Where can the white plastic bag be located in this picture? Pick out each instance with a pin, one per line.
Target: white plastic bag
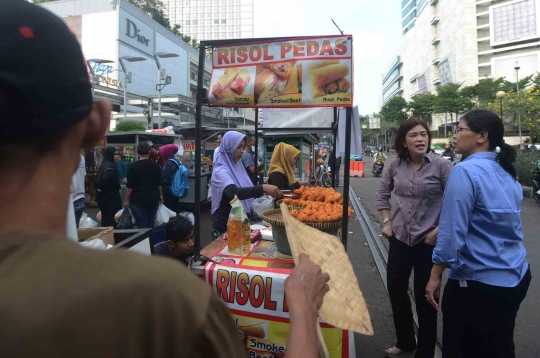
(163, 215)
(86, 222)
(96, 244)
(98, 216)
(209, 197)
(188, 215)
(262, 204)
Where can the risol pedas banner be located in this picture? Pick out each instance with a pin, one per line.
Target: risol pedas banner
(297, 72)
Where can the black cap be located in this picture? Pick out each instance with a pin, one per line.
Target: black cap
(41, 58)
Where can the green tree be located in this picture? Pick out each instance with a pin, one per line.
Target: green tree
(423, 105)
(392, 110)
(130, 126)
(450, 99)
(155, 9)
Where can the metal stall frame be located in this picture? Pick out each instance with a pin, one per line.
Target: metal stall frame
(202, 99)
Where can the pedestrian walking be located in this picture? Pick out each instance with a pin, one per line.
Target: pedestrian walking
(108, 187)
(143, 188)
(167, 175)
(480, 242)
(335, 165)
(418, 178)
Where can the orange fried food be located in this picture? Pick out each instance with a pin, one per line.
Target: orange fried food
(287, 201)
(313, 197)
(321, 197)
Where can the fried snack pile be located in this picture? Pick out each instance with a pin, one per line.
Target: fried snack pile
(320, 205)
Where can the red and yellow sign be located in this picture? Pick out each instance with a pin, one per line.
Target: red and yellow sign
(253, 287)
(296, 72)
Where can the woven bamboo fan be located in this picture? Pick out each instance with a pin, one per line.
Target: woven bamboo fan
(344, 305)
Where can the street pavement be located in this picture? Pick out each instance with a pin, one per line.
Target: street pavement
(527, 329)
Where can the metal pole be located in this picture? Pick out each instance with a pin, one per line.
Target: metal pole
(159, 102)
(198, 142)
(346, 177)
(125, 95)
(334, 143)
(517, 102)
(256, 139)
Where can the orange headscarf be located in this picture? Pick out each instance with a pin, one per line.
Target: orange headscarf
(281, 160)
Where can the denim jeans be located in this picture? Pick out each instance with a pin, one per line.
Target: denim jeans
(79, 209)
(145, 215)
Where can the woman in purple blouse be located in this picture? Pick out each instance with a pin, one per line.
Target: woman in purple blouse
(417, 178)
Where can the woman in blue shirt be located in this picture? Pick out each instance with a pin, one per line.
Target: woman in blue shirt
(480, 242)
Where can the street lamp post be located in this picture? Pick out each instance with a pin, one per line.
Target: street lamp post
(95, 79)
(127, 76)
(161, 76)
(408, 112)
(516, 67)
(500, 96)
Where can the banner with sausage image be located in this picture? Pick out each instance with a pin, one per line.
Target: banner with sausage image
(255, 297)
(295, 72)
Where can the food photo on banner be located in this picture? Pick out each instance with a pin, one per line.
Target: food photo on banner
(298, 72)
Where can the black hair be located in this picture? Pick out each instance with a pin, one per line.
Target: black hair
(143, 148)
(178, 229)
(33, 141)
(404, 128)
(480, 120)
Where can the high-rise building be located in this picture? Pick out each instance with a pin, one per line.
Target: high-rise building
(212, 19)
(461, 42)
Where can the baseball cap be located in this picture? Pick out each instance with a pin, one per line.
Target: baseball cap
(41, 60)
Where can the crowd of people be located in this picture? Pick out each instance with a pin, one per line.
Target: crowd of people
(465, 218)
(63, 300)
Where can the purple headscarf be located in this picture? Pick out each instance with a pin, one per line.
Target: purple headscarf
(227, 172)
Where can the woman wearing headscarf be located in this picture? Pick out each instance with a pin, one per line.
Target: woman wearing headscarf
(167, 175)
(229, 178)
(166, 152)
(108, 187)
(280, 172)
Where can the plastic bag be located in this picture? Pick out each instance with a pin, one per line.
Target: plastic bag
(125, 221)
(118, 215)
(209, 196)
(238, 229)
(163, 215)
(98, 216)
(96, 244)
(86, 222)
(188, 215)
(262, 204)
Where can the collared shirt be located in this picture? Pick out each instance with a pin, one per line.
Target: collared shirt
(418, 196)
(480, 234)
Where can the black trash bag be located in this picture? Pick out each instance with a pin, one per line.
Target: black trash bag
(125, 222)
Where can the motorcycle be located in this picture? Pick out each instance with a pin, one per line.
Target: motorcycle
(536, 183)
(451, 159)
(377, 168)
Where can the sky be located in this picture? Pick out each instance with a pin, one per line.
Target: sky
(374, 24)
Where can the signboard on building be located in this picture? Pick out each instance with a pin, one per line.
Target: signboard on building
(296, 72)
(136, 33)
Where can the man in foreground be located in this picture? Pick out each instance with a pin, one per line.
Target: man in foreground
(61, 300)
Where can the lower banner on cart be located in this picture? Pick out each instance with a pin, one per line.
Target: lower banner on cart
(266, 337)
(256, 299)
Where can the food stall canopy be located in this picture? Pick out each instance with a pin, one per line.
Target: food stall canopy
(318, 119)
(292, 72)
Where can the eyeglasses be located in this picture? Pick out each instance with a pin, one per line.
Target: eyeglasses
(460, 129)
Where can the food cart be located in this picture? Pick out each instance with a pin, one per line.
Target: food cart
(313, 72)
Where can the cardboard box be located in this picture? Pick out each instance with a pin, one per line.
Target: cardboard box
(104, 233)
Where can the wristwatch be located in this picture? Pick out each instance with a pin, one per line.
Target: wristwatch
(386, 220)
